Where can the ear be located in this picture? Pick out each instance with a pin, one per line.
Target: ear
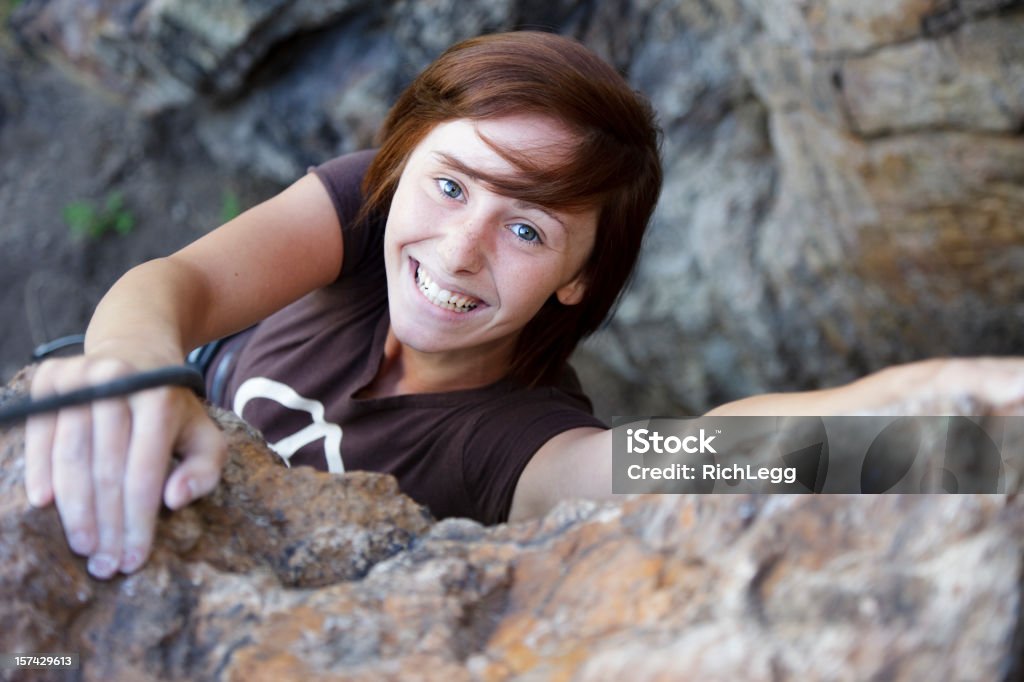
(572, 293)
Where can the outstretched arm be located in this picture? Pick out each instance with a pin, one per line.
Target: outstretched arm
(924, 387)
(578, 463)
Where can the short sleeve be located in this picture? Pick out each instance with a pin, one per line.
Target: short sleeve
(343, 179)
(505, 437)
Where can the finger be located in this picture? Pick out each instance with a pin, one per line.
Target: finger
(39, 432)
(1006, 381)
(203, 450)
(72, 478)
(111, 431)
(149, 453)
(997, 382)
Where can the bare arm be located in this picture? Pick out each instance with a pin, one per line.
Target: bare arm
(107, 465)
(578, 462)
(925, 386)
(229, 279)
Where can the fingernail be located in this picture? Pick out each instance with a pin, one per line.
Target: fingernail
(80, 542)
(35, 498)
(186, 494)
(102, 565)
(131, 560)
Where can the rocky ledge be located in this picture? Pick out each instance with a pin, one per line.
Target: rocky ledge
(295, 574)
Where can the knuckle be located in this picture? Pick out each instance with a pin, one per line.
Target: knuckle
(71, 450)
(158, 399)
(80, 534)
(105, 369)
(142, 489)
(38, 436)
(107, 478)
(209, 468)
(68, 378)
(42, 378)
(75, 514)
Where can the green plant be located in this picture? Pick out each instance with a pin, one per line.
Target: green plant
(87, 219)
(230, 206)
(7, 8)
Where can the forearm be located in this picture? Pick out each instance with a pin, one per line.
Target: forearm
(154, 314)
(919, 381)
(231, 278)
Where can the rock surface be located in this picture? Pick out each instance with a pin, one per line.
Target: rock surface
(293, 574)
(845, 189)
(845, 180)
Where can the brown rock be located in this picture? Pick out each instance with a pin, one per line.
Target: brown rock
(293, 574)
(965, 81)
(264, 528)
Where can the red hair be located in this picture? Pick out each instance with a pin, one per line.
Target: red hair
(614, 163)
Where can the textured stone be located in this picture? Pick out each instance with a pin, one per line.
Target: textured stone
(165, 54)
(293, 574)
(968, 80)
(843, 179)
(850, 26)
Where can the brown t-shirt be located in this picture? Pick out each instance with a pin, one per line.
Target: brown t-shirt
(294, 377)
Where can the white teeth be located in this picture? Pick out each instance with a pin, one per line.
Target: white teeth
(442, 297)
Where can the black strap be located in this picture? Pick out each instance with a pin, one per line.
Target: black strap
(44, 350)
(174, 375)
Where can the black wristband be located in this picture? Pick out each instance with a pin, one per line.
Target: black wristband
(174, 375)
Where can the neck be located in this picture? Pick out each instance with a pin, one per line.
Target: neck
(405, 370)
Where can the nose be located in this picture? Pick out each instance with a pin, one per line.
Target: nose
(461, 249)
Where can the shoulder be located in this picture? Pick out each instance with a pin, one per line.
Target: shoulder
(574, 463)
(502, 435)
(540, 411)
(347, 167)
(343, 176)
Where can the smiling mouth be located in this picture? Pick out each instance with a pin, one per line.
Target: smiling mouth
(442, 298)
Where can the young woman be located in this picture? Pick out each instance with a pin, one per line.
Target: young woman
(414, 307)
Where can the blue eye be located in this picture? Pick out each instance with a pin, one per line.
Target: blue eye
(525, 232)
(449, 188)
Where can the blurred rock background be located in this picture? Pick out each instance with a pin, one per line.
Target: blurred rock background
(844, 189)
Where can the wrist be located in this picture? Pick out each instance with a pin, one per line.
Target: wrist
(937, 386)
(140, 353)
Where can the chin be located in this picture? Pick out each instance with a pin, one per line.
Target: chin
(421, 340)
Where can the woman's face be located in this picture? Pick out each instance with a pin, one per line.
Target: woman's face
(467, 267)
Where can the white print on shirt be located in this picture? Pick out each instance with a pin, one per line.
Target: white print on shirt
(283, 394)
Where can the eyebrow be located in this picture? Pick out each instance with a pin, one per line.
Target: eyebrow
(462, 167)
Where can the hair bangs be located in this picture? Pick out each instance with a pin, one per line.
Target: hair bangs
(573, 176)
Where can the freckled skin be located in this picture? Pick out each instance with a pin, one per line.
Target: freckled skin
(509, 256)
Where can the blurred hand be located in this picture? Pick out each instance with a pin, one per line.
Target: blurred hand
(106, 465)
(992, 384)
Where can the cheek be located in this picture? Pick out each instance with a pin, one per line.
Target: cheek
(529, 283)
(396, 232)
(411, 219)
